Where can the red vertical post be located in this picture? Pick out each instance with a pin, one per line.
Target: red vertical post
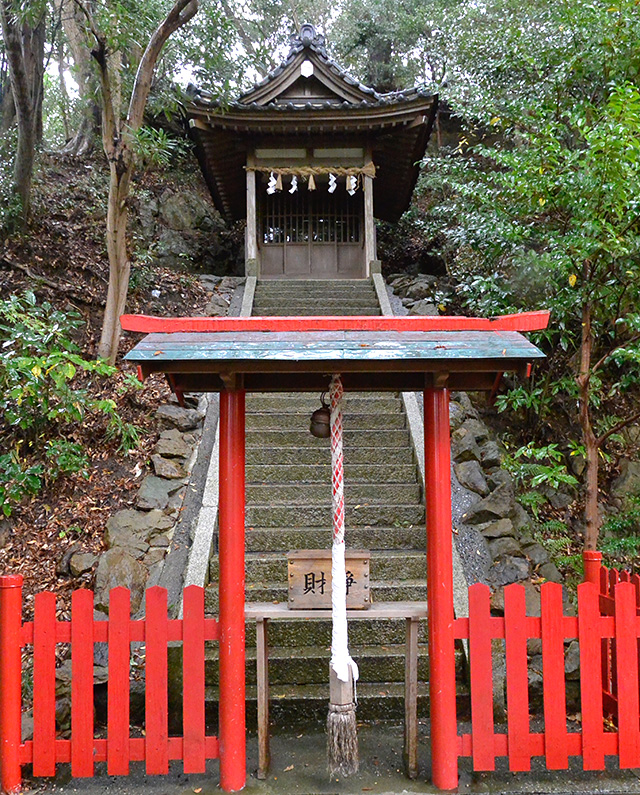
(10, 682)
(232, 731)
(592, 561)
(442, 676)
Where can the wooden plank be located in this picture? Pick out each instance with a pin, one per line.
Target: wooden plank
(411, 699)
(627, 675)
(156, 684)
(399, 610)
(262, 670)
(44, 685)
(554, 689)
(517, 678)
(193, 684)
(82, 684)
(589, 636)
(310, 580)
(525, 321)
(481, 677)
(118, 684)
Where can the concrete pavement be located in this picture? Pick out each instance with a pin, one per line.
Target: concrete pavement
(299, 768)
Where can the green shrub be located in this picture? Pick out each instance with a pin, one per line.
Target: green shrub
(41, 399)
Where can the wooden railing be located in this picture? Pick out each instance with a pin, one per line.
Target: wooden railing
(618, 628)
(154, 746)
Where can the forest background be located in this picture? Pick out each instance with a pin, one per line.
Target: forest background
(529, 198)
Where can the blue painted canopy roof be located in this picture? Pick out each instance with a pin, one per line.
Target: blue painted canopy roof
(301, 360)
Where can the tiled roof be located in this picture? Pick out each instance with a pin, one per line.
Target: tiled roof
(309, 39)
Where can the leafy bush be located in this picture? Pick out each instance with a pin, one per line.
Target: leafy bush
(41, 401)
(17, 480)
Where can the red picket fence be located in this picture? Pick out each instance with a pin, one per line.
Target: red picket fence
(609, 578)
(593, 630)
(156, 748)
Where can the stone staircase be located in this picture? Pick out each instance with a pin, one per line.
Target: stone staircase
(289, 507)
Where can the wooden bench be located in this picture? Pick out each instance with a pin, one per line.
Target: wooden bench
(411, 612)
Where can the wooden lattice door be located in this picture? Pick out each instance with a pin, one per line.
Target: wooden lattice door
(312, 234)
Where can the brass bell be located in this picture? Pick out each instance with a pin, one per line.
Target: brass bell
(321, 421)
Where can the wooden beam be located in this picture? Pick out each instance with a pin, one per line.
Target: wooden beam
(252, 215)
(524, 321)
(369, 224)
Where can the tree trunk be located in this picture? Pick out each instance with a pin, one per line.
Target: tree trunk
(591, 512)
(88, 132)
(64, 94)
(7, 105)
(25, 54)
(119, 263)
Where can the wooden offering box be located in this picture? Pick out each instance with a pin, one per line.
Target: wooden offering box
(310, 579)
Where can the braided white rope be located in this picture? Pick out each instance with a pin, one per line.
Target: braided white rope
(341, 660)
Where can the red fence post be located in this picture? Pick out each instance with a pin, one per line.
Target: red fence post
(442, 677)
(592, 562)
(10, 682)
(232, 731)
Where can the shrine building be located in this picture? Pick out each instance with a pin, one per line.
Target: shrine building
(310, 156)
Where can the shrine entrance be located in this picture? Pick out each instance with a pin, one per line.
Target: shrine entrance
(311, 234)
(234, 356)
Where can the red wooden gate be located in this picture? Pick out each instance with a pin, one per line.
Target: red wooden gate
(156, 748)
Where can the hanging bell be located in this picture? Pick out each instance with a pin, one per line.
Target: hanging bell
(321, 421)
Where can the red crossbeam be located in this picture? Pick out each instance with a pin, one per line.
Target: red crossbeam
(526, 321)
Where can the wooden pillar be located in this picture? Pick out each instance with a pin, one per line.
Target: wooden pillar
(10, 682)
(592, 564)
(370, 252)
(442, 676)
(251, 248)
(232, 731)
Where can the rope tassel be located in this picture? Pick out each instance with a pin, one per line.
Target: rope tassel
(342, 739)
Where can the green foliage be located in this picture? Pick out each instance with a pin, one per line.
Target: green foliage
(625, 523)
(17, 480)
(535, 469)
(155, 147)
(38, 364)
(538, 206)
(539, 466)
(621, 533)
(41, 401)
(65, 458)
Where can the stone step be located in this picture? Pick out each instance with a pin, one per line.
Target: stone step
(314, 473)
(295, 291)
(385, 565)
(309, 664)
(300, 706)
(302, 438)
(276, 592)
(306, 403)
(320, 311)
(284, 396)
(280, 539)
(261, 453)
(308, 303)
(320, 493)
(329, 286)
(320, 515)
(299, 421)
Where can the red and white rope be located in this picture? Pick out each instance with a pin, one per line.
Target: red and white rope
(341, 660)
